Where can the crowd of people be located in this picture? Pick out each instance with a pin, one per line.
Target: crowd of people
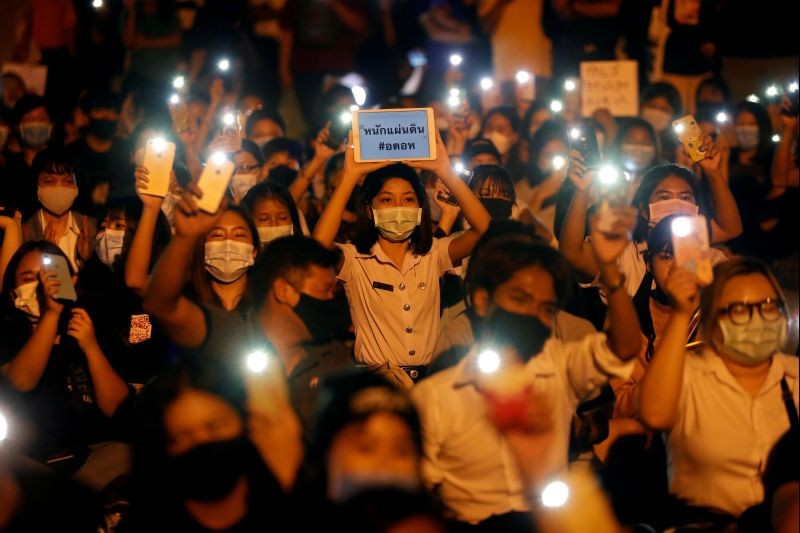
(488, 340)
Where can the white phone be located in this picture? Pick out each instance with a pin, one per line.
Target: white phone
(159, 155)
(57, 264)
(214, 182)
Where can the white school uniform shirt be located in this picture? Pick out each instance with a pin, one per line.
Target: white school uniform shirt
(465, 455)
(395, 311)
(69, 241)
(719, 445)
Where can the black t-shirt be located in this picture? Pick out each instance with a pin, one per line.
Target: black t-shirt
(231, 335)
(132, 342)
(18, 185)
(61, 411)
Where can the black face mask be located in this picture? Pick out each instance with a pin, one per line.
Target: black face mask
(103, 129)
(498, 208)
(525, 333)
(209, 471)
(317, 315)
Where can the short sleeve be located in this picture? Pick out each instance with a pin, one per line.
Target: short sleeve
(590, 363)
(348, 256)
(442, 248)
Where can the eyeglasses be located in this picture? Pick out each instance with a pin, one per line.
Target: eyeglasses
(243, 169)
(741, 313)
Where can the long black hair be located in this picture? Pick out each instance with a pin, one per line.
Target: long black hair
(268, 190)
(366, 234)
(765, 149)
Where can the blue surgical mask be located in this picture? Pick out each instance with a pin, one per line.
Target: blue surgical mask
(35, 134)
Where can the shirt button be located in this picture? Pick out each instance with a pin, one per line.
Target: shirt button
(421, 285)
(402, 286)
(409, 330)
(412, 353)
(406, 307)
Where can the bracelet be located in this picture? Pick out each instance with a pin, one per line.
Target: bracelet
(612, 288)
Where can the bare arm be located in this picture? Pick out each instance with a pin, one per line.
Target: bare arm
(352, 18)
(571, 242)
(660, 388)
(784, 169)
(217, 92)
(726, 223)
(138, 264)
(12, 240)
(491, 18)
(183, 320)
(322, 152)
(27, 367)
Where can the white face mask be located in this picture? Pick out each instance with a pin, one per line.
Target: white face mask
(35, 134)
(267, 234)
(658, 118)
(109, 245)
(637, 157)
(501, 141)
(27, 300)
(661, 210)
(747, 137)
(753, 343)
(241, 183)
(57, 199)
(228, 260)
(396, 224)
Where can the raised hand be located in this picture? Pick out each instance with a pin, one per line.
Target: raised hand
(148, 200)
(683, 290)
(50, 286)
(81, 328)
(191, 221)
(609, 245)
(577, 174)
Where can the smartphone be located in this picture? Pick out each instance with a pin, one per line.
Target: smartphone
(341, 124)
(583, 139)
(394, 134)
(159, 155)
(526, 87)
(233, 127)
(690, 246)
(612, 187)
(58, 264)
(689, 133)
(214, 181)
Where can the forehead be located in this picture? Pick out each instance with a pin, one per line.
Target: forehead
(270, 205)
(556, 145)
(497, 120)
(319, 276)
(193, 408)
(638, 135)
(243, 156)
(658, 102)
(32, 261)
(534, 281)
(396, 186)
(232, 219)
(673, 184)
(35, 114)
(746, 288)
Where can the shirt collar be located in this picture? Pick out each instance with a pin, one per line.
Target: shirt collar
(713, 364)
(377, 252)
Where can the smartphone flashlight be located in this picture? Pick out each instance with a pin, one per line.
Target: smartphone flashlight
(458, 166)
(753, 98)
(523, 76)
(793, 87)
(681, 227)
(46, 261)
(175, 99)
(224, 64)
(555, 494)
(354, 107)
(257, 361)
(608, 175)
(570, 85)
(3, 427)
(456, 59)
(228, 119)
(359, 94)
(97, 4)
(159, 144)
(346, 117)
(776, 138)
(454, 100)
(179, 82)
(574, 133)
(558, 162)
(722, 117)
(219, 158)
(556, 106)
(772, 91)
(486, 83)
(488, 361)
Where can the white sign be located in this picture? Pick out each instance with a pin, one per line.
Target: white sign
(612, 85)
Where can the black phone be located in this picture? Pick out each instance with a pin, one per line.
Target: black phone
(447, 198)
(341, 124)
(583, 139)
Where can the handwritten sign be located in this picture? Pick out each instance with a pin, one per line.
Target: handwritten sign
(34, 76)
(612, 85)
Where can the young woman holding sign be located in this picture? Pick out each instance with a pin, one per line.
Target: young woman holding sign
(391, 272)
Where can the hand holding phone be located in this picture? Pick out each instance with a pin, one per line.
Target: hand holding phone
(159, 155)
(57, 265)
(690, 135)
(341, 124)
(214, 181)
(582, 139)
(690, 246)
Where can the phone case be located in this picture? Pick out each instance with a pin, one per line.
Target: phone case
(586, 144)
(214, 182)
(180, 116)
(59, 265)
(693, 251)
(159, 166)
(689, 134)
(235, 131)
